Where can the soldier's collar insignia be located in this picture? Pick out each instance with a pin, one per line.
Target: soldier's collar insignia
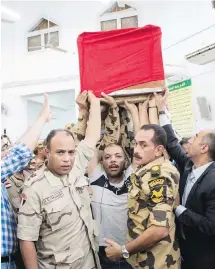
(155, 171)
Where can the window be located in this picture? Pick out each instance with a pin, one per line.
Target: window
(108, 25)
(34, 43)
(52, 38)
(119, 16)
(43, 33)
(129, 22)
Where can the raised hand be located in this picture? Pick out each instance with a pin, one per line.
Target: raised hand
(81, 100)
(132, 108)
(45, 112)
(91, 97)
(161, 100)
(109, 100)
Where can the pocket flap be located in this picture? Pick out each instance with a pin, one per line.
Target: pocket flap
(55, 207)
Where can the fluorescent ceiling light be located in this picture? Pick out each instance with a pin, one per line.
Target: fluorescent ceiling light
(12, 15)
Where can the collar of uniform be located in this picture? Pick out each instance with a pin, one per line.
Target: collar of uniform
(77, 179)
(54, 180)
(148, 166)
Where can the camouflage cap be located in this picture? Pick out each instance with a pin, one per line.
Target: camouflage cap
(40, 144)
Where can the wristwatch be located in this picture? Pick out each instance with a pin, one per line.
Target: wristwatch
(125, 253)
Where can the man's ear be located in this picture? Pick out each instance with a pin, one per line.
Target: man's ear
(204, 148)
(159, 151)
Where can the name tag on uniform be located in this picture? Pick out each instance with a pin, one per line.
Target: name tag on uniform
(55, 196)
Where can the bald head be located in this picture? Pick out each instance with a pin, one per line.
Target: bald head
(209, 139)
(60, 151)
(202, 145)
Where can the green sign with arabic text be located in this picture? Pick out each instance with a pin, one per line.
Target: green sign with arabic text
(180, 85)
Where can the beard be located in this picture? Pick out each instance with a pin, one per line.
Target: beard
(115, 174)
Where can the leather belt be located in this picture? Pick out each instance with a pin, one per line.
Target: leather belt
(7, 259)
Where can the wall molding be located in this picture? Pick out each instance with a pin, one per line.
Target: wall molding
(15, 84)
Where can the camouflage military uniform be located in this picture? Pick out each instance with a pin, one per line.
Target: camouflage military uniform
(126, 133)
(111, 127)
(35, 163)
(15, 182)
(152, 193)
(55, 211)
(14, 187)
(79, 129)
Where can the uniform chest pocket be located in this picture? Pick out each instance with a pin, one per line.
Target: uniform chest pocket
(133, 200)
(82, 197)
(59, 215)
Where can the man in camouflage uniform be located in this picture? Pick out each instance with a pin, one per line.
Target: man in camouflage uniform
(40, 154)
(37, 162)
(14, 185)
(152, 197)
(55, 208)
(110, 125)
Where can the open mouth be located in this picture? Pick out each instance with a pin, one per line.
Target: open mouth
(113, 167)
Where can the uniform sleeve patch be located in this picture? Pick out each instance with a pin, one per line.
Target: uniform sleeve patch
(158, 190)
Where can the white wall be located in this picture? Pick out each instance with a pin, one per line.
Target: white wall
(73, 17)
(61, 117)
(204, 85)
(16, 120)
(7, 52)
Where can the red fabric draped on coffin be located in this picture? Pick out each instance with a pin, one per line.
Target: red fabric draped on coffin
(117, 59)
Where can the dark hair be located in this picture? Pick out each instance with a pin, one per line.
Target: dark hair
(36, 151)
(113, 145)
(160, 137)
(53, 133)
(209, 139)
(184, 140)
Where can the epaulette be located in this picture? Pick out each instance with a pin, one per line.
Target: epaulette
(34, 177)
(155, 171)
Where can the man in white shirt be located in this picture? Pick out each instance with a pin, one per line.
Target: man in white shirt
(109, 181)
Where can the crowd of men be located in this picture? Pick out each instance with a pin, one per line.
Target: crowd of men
(116, 190)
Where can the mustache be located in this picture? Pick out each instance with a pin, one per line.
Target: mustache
(137, 156)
